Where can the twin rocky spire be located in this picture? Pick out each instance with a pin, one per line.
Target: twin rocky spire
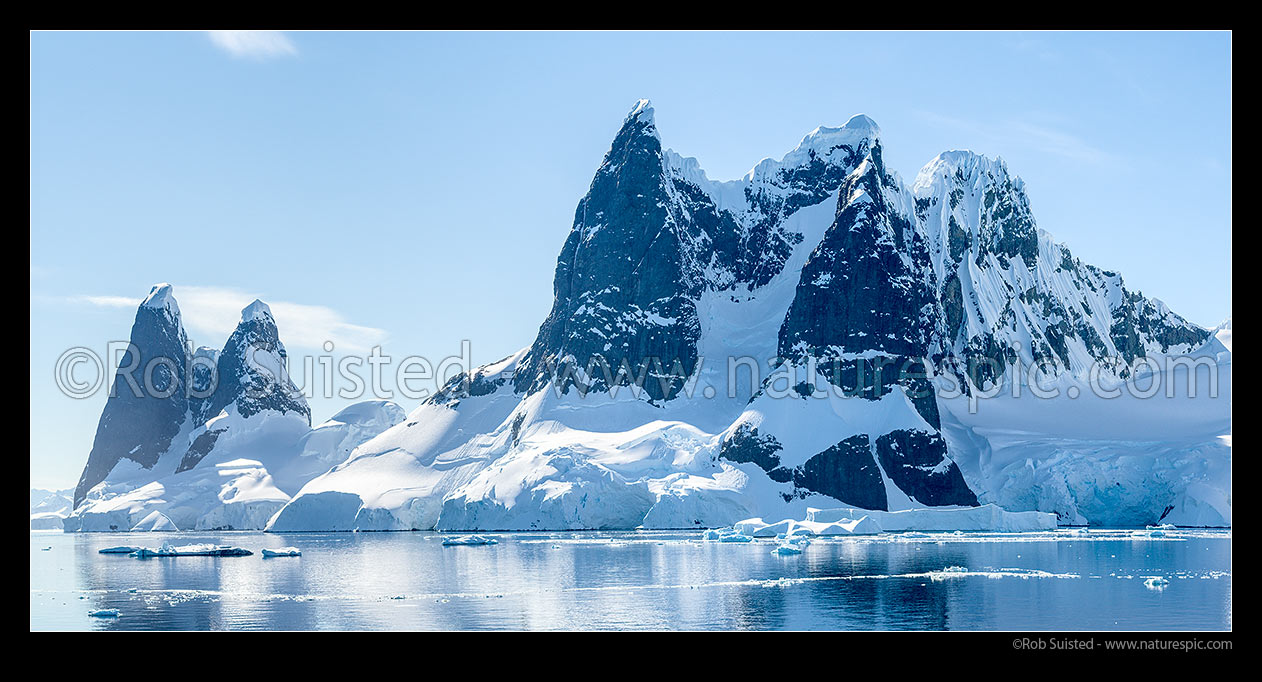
(141, 420)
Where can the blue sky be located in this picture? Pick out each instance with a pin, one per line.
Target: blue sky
(413, 189)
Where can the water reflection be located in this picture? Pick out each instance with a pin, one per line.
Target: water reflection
(542, 581)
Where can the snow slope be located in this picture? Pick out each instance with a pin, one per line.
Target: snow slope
(1114, 460)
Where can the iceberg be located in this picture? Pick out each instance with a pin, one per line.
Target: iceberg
(987, 518)
(468, 540)
(757, 528)
(169, 550)
(280, 552)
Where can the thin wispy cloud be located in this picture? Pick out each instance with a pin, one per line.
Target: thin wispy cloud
(253, 44)
(1058, 142)
(1014, 133)
(108, 301)
(210, 314)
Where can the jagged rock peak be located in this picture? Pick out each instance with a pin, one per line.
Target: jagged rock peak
(140, 419)
(962, 165)
(642, 111)
(855, 137)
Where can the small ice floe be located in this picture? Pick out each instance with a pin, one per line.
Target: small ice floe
(711, 534)
(1156, 583)
(797, 540)
(787, 549)
(949, 573)
(468, 540)
(281, 551)
(46, 549)
(169, 550)
(121, 549)
(736, 537)
(104, 613)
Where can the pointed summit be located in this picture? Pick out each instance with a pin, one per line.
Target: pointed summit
(642, 111)
(253, 370)
(639, 121)
(256, 310)
(148, 401)
(161, 298)
(252, 376)
(621, 272)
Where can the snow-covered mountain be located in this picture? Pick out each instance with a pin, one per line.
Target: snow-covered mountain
(138, 425)
(1009, 292)
(723, 350)
(226, 449)
(49, 508)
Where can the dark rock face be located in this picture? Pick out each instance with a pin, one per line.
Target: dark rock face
(252, 372)
(1140, 321)
(872, 378)
(201, 446)
(648, 239)
(846, 472)
(629, 274)
(622, 293)
(204, 374)
(746, 445)
(766, 245)
(868, 285)
(916, 461)
(141, 417)
(868, 290)
(465, 386)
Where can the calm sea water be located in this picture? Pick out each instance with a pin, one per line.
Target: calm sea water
(639, 580)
